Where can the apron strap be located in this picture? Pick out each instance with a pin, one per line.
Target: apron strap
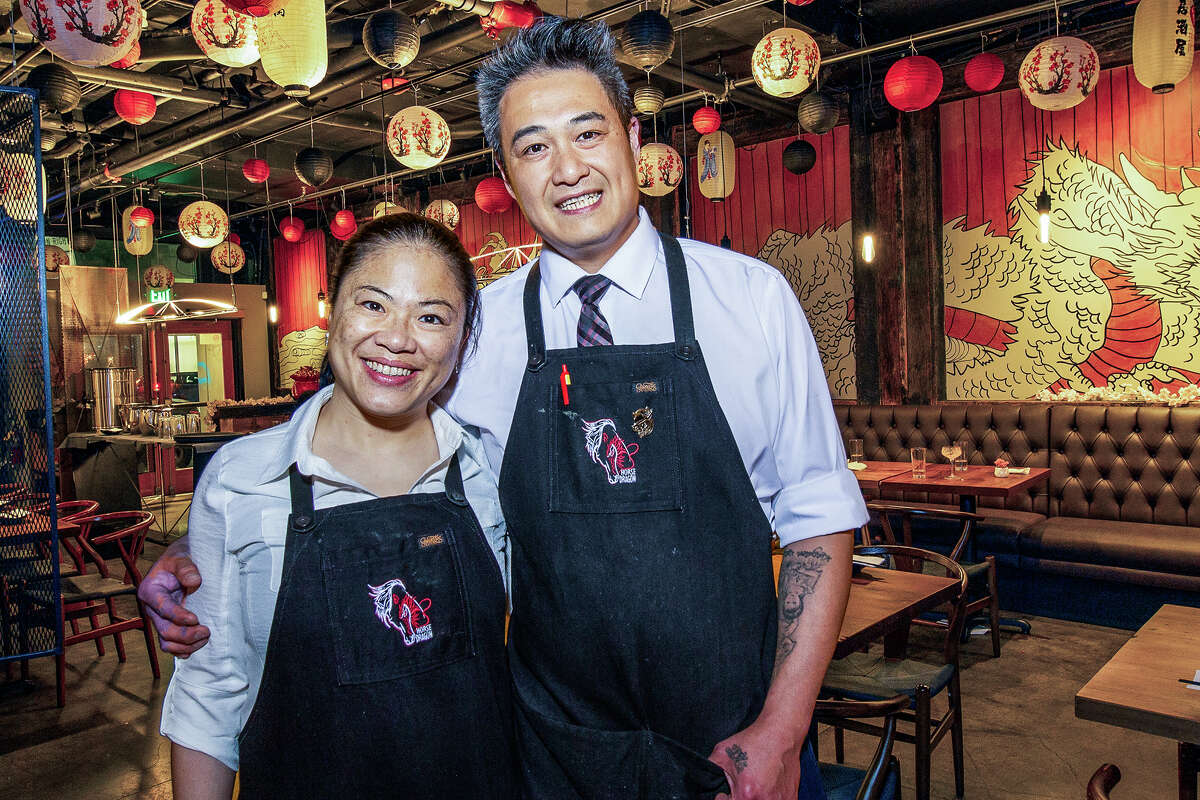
(454, 483)
(303, 514)
(534, 333)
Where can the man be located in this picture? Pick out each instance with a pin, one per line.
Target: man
(655, 409)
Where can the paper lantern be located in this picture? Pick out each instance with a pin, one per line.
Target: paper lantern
(1059, 73)
(129, 59)
(799, 2)
(817, 113)
(913, 83)
(293, 47)
(83, 241)
(313, 166)
(256, 8)
(1163, 42)
(292, 228)
(50, 139)
(391, 39)
(384, 207)
(186, 253)
(19, 178)
(648, 99)
(141, 216)
(85, 32)
(203, 224)
(256, 170)
(647, 39)
(158, 277)
(136, 108)
(659, 169)
(716, 165)
(706, 120)
(233, 237)
(984, 72)
(418, 137)
(56, 257)
(785, 62)
(225, 35)
(137, 239)
(492, 197)
(343, 224)
(444, 212)
(799, 157)
(228, 257)
(58, 88)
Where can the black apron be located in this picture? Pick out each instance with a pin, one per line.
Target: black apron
(644, 620)
(385, 673)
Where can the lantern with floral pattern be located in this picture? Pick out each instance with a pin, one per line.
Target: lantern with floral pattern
(203, 224)
(418, 137)
(85, 32)
(228, 257)
(1059, 73)
(226, 35)
(158, 277)
(659, 169)
(785, 62)
(444, 212)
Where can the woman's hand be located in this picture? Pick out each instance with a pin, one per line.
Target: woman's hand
(163, 590)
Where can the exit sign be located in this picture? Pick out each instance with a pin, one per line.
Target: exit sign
(160, 295)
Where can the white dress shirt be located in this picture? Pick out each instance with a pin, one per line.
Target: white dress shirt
(761, 356)
(236, 533)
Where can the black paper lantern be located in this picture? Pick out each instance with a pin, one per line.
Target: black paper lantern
(58, 88)
(799, 157)
(187, 253)
(313, 166)
(817, 113)
(647, 39)
(391, 39)
(83, 241)
(51, 139)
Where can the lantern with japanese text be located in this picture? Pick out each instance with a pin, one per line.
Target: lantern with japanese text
(659, 169)
(492, 197)
(224, 34)
(1163, 43)
(418, 137)
(203, 224)
(228, 257)
(444, 212)
(984, 72)
(136, 108)
(292, 228)
(1059, 73)
(85, 32)
(706, 120)
(716, 165)
(913, 83)
(293, 46)
(785, 62)
(256, 170)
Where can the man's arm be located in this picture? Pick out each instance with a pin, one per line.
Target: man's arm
(198, 776)
(163, 590)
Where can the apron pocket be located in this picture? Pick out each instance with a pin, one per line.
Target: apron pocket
(615, 448)
(400, 613)
(675, 770)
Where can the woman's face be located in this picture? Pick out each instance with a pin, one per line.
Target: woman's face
(396, 331)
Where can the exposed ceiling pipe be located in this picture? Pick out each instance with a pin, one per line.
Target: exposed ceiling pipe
(172, 48)
(712, 86)
(496, 15)
(161, 85)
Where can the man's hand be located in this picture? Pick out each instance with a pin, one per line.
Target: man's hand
(163, 590)
(760, 764)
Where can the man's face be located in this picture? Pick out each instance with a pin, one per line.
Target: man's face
(570, 163)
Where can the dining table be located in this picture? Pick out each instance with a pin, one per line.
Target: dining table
(975, 482)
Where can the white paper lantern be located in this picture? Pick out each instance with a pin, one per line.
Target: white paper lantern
(226, 35)
(648, 99)
(1163, 42)
(659, 169)
(204, 224)
(716, 165)
(89, 33)
(444, 212)
(418, 137)
(785, 62)
(1059, 73)
(228, 257)
(137, 238)
(384, 207)
(293, 46)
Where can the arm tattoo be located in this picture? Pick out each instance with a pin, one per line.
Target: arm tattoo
(798, 577)
(738, 756)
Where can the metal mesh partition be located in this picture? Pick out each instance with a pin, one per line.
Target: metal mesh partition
(30, 618)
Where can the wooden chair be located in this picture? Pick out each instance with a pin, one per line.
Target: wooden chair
(981, 575)
(869, 676)
(1102, 782)
(881, 778)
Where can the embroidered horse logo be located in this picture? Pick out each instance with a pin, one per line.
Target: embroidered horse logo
(400, 611)
(608, 449)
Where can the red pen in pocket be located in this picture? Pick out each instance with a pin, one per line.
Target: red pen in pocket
(564, 380)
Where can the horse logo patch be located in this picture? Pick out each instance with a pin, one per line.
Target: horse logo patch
(400, 611)
(608, 449)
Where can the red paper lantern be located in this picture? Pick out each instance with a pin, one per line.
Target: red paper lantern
(492, 197)
(343, 225)
(984, 72)
(799, 2)
(256, 8)
(141, 216)
(129, 59)
(233, 237)
(256, 170)
(390, 82)
(136, 108)
(913, 83)
(706, 120)
(292, 228)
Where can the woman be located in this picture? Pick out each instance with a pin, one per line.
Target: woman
(356, 605)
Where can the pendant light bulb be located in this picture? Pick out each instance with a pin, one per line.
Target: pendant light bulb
(321, 305)
(1043, 210)
(868, 247)
(272, 313)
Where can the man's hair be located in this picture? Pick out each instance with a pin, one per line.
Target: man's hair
(551, 43)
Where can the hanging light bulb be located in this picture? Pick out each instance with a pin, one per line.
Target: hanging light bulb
(321, 305)
(272, 313)
(868, 247)
(1043, 210)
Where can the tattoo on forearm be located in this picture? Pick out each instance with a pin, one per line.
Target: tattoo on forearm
(798, 577)
(738, 756)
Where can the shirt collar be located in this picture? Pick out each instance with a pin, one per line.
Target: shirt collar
(629, 268)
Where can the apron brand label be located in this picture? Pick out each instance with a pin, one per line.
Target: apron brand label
(431, 541)
(608, 449)
(400, 611)
(645, 386)
(643, 422)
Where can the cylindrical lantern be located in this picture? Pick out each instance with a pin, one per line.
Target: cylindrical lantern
(799, 157)
(203, 224)
(158, 277)
(444, 212)
(659, 169)
(136, 108)
(706, 120)
(785, 62)
(292, 228)
(984, 72)
(83, 241)
(224, 34)
(228, 257)
(716, 165)
(913, 83)
(257, 8)
(186, 253)
(391, 38)
(647, 39)
(1163, 42)
(256, 170)
(313, 166)
(136, 237)
(58, 88)
(90, 34)
(648, 99)
(418, 137)
(141, 216)
(129, 59)
(384, 207)
(292, 43)
(56, 257)
(817, 113)
(343, 224)
(1059, 73)
(492, 197)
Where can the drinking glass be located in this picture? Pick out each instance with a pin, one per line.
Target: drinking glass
(951, 452)
(918, 462)
(856, 450)
(960, 461)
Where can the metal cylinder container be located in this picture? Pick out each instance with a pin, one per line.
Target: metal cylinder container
(112, 387)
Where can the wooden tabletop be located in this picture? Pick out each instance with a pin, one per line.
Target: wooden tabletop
(977, 480)
(884, 602)
(876, 471)
(1139, 687)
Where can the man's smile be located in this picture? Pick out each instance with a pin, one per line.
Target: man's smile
(580, 202)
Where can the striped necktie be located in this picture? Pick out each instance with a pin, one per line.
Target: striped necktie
(593, 327)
